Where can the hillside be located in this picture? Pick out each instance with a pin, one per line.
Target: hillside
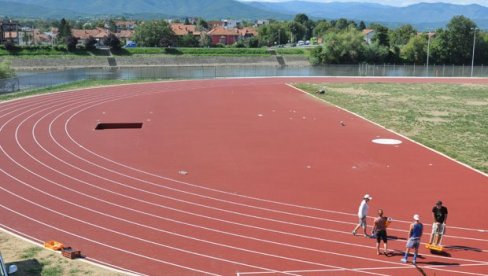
(423, 15)
(210, 9)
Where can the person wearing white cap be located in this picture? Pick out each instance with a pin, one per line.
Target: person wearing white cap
(415, 233)
(363, 214)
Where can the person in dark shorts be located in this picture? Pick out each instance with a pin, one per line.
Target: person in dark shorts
(415, 233)
(379, 229)
(439, 213)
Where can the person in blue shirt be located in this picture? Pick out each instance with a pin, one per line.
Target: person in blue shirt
(415, 233)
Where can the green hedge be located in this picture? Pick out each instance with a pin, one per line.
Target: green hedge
(199, 51)
(59, 50)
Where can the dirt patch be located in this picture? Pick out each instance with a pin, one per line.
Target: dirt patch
(433, 120)
(446, 98)
(477, 103)
(438, 113)
(357, 92)
(35, 260)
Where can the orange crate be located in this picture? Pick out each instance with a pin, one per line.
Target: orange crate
(71, 253)
(54, 245)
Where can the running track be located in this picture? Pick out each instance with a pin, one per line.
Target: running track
(272, 186)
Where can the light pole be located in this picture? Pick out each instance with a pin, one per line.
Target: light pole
(428, 52)
(474, 45)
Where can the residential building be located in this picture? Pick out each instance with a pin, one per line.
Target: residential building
(9, 31)
(125, 25)
(181, 29)
(223, 36)
(247, 32)
(368, 35)
(82, 35)
(125, 36)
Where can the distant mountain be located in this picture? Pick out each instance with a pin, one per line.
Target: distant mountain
(13, 9)
(422, 14)
(209, 9)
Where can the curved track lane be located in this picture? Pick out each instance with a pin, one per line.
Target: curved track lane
(271, 181)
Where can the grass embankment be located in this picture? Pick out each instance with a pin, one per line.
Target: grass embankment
(452, 119)
(33, 260)
(34, 52)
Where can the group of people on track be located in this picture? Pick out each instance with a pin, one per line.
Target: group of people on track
(415, 231)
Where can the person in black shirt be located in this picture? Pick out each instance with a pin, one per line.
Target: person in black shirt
(439, 213)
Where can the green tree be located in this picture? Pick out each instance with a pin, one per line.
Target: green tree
(297, 30)
(460, 32)
(205, 40)
(272, 34)
(340, 48)
(156, 33)
(401, 36)
(376, 53)
(481, 54)
(361, 26)
(189, 40)
(202, 24)
(342, 23)
(415, 51)
(112, 41)
(5, 70)
(381, 34)
(439, 48)
(307, 23)
(64, 29)
(71, 42)
(321, 28)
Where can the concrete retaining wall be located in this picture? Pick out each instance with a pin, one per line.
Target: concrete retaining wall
(85, 62)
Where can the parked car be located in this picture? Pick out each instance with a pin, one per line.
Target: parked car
(300, 43)
(3, 269)
(130, 44)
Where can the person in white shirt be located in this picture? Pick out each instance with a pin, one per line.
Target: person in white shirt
(363, 214)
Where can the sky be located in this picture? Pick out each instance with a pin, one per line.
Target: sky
(392, 2)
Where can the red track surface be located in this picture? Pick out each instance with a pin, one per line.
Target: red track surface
(273, 181)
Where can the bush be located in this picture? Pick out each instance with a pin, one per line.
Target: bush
(10, 46)
(112, 41)
(90, 43)
(5, 70)
(71, 43)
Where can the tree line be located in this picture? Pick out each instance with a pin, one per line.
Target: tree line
(341, 41)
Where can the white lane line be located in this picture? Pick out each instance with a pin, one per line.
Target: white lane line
(229, 193)
(102, 244)
(321, 239)
(176, 234)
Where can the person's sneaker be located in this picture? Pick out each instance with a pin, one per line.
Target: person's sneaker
(414, 261)
(354, 233)
(403, 260)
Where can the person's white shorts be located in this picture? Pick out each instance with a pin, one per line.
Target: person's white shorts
(438, 228)
(362, 221)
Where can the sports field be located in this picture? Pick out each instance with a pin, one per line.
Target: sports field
(228, 177)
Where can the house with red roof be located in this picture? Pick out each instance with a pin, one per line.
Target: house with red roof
(181, 29)
(82, 35)
(223, 36)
